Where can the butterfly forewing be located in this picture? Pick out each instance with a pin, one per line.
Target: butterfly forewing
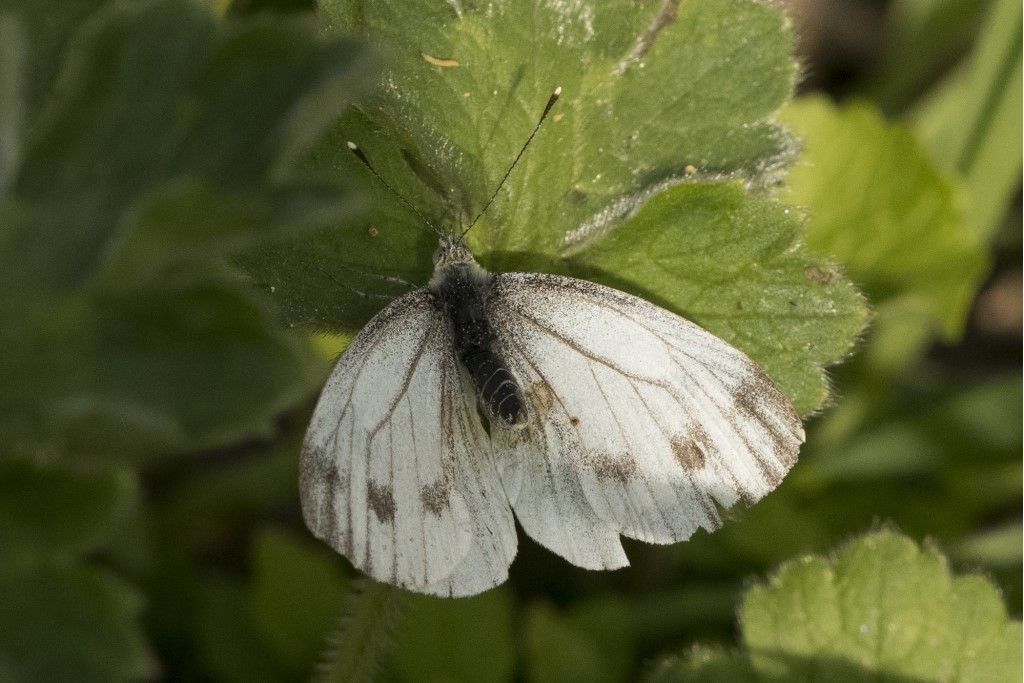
(650, 418)
(396, 471)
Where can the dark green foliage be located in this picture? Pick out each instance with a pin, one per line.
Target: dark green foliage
(143, 142)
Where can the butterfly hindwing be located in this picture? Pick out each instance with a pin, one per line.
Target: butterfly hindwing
(396, 470)
(657, 419)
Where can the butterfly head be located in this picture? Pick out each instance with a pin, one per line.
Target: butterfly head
(450, 251)
(453, 258)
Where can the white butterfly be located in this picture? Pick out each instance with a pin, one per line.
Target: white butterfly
(587, 412)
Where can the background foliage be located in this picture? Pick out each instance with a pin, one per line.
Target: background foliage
(185, 244)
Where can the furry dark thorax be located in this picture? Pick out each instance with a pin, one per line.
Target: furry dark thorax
(460, 287)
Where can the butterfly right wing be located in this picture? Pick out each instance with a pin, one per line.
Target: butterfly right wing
(640, 421)
(396, 471)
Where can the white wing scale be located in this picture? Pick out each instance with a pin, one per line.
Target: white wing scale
(396, 470)
(654, 417)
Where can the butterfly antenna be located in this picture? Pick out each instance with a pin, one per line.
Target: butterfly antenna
(354, 148)
(547, 109)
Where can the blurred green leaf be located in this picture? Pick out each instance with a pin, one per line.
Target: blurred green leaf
(455, 640)
(56, 510)
(231, 646)
(619, 627)
(51, 601)
(71, 624)
(275, 624)
(296, 597)
(206, 511)
(971, 124)
(996, 547)
(197, 364)
(883, 607)
(879, 205)
(701, 664)
(590, 197)
(922, 37)
(154, 96)
(987, 414)
(170, 141)
(557, 651)
(956, 446)
(12, 106)
(49, 25)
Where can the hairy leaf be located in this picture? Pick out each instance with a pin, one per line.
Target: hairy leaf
(652, 96)
(881, 608)
(365, 634)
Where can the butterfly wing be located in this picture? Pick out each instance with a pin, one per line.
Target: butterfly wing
(396, 469)
(639, 418)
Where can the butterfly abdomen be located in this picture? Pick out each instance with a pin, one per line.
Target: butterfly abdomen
(496, 386)
(460, 294)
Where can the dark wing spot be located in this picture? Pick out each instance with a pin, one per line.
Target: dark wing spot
(687, 453)
(574, 420)
(608, 466)
(703, 441)
(758, 395)
(435, 497)
(381, 500)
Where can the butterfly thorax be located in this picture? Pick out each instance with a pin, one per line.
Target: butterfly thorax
(460, 287)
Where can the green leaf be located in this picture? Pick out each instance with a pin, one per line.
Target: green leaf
(465, 84)
(211, 358)
(46, 510)
(971, 124)
(882, 607)
(197, 364)
(154, 95)
(296, 597)
(726, 261)
(170, 142)
(70, 623)
(455, 640)
(878, 204)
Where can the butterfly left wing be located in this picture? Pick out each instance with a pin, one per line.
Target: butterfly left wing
(658, 418)
(396, 470)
